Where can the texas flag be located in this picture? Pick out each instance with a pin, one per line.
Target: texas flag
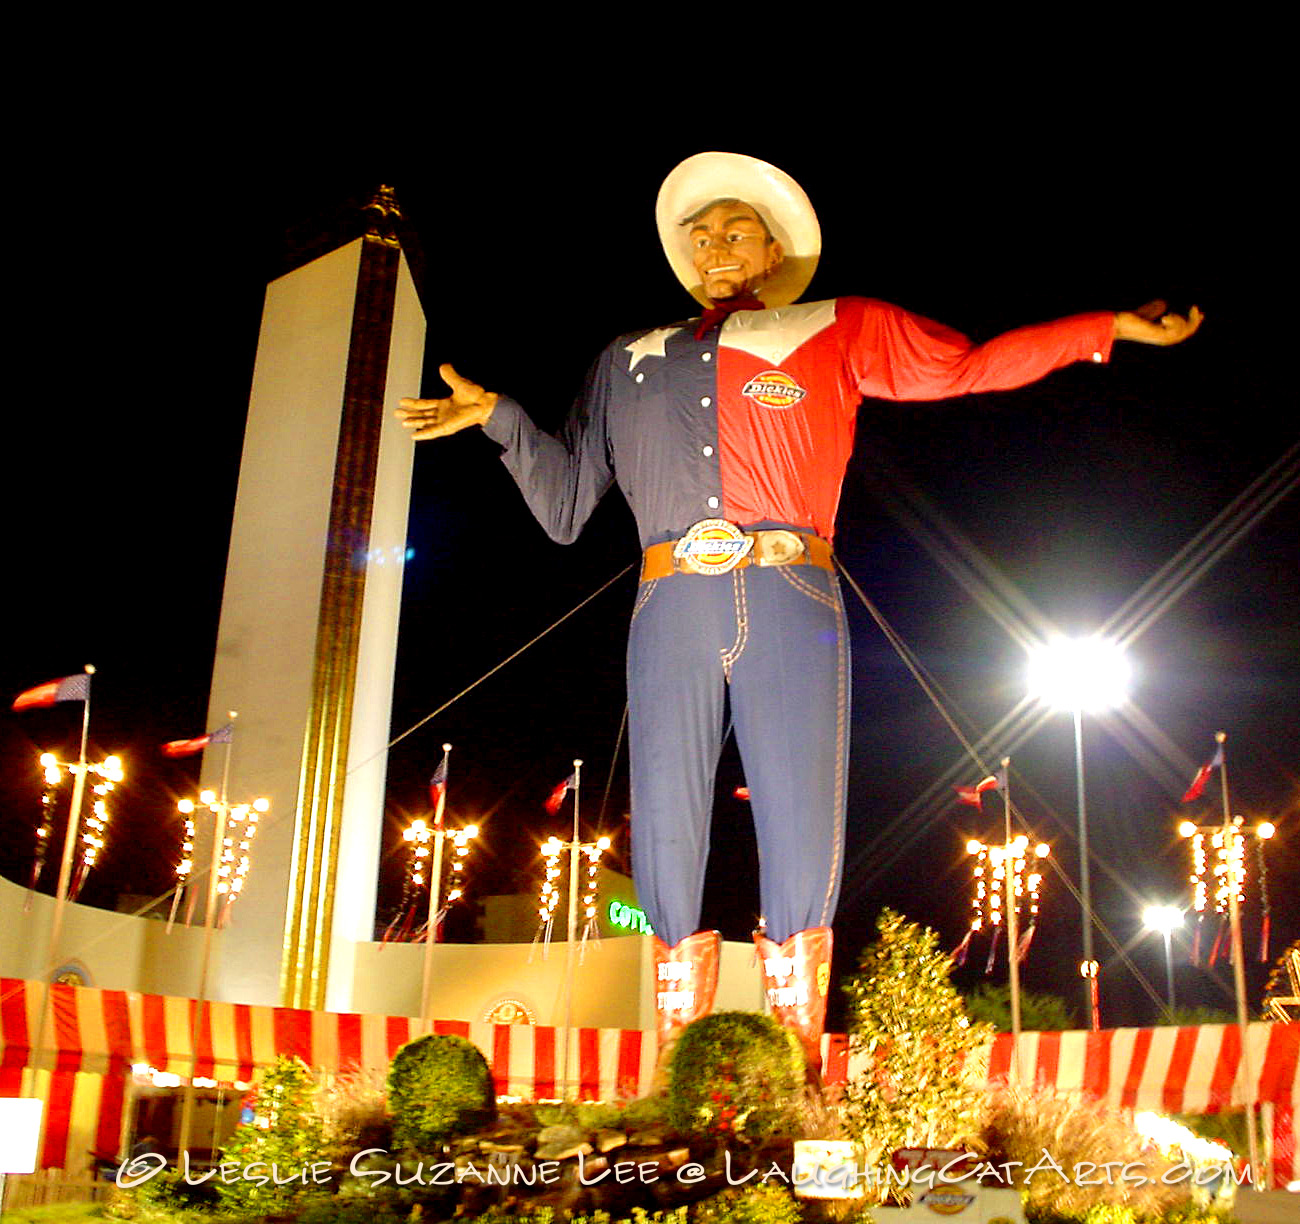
(70, 688)
(557, 795)
(1203, 776)
(972, 794)
(183, 748)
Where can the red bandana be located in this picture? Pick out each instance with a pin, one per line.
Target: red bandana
(720, 310)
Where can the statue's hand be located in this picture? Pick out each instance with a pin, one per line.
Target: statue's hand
(1150, 324)
(468, 404)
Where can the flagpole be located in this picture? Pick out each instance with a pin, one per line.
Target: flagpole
(1013, 938)
(571, 945)
(61, 893)
(435, 897)
(70, 834)
(1239, 977)
(209, 921)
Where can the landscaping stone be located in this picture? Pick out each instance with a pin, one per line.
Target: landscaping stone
(607, 1140)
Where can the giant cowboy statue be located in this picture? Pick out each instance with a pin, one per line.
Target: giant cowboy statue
(729, 435)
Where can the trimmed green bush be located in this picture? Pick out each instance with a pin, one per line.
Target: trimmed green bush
(438, 1086)
(736, 1076)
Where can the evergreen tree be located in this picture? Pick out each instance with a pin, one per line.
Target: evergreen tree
(281, 1143)
(907, 1018)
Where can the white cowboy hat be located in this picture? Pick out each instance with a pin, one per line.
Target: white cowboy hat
(777, 198)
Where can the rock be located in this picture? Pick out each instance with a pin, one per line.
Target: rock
(607, 1140)
(562, 1142)
(561, 1132)
(562, 1151)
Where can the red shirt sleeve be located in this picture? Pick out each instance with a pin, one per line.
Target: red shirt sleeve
(901, 356)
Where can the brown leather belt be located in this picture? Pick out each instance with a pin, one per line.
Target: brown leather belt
(658, 561)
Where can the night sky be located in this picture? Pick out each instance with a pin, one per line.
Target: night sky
(143, 270)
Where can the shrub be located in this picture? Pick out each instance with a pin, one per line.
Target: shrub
(438, 1086)
(1080, 1139)
(353, 1113)
(167, 1196)
(736, 1075)
(907, 1017)
(547, 1215)
(990, 1003)
(760, 1204)
(285, 1132)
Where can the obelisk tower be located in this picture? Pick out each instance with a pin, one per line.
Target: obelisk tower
(308, 633)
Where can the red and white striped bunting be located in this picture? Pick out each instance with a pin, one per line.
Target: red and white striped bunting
(93, 1037)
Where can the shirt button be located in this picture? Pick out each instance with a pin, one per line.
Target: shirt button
(1096, 356)
(713, 503)
(706, 356)
(705, 402)
(707, 451)
(640, 377)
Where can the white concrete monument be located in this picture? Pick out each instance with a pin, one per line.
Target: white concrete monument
(308, 634)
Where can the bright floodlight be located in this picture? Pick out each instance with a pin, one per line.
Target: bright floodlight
(1079, 674)
(1162, 917)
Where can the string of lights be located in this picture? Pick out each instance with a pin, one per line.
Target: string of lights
(1219, 862)
(93, 833)
(233, 832)
(419, 836)
(551, 850)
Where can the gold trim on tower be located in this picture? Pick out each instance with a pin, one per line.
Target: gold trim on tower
(310, 912)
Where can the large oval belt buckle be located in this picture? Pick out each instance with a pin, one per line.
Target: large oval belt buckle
(712, 546)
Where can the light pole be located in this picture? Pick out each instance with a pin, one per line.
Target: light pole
(1079, 674)
(233, 829)
(1166, 919)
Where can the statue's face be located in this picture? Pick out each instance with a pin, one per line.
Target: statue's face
(731, 251)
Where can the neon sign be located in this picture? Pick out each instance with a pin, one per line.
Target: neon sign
(629, 918)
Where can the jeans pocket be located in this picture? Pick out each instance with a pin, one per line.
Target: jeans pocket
(805, 579)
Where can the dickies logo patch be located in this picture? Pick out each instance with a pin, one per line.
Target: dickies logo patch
(773, 389)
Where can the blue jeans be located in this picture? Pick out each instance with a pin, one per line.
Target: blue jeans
(777, 636)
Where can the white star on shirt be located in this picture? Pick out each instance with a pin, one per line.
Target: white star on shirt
(649, 345)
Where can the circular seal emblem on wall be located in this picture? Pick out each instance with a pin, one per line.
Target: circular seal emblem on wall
(508, 1011)
(773, 389)
(712, 546)
(947, 1202)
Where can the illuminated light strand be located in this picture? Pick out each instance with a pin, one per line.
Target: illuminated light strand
(988, 896)
(233, 857)
(419, 835)
(93, 833)
(988, 893)
(236, 852)
(552, 850)
(1219, 862)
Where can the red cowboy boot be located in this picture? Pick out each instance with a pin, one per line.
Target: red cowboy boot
(796, 979)
(686, 979)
